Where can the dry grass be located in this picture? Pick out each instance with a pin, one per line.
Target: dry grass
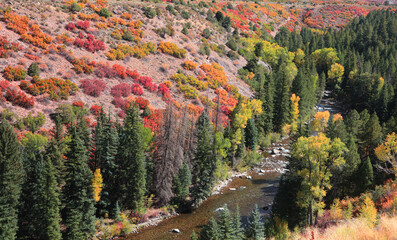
(356, 229)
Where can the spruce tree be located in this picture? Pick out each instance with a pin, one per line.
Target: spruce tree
(78, 197)
(182, 182)
(265, 121)
(255, 229)
(239, 230)
(34, 69)
(251, 134)
(366, 175)
(210, 231)
(193, 236)
(131, 161)
(204, 160)
(104, 152)
(39, 209)
(11, 178)
(226, 225)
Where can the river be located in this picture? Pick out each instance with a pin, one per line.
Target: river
(260, 190)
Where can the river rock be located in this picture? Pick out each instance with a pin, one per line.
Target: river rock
(232, 189)
(275, 151)
(176, 230)
(248, 177)
(262, 171)
(243, 187)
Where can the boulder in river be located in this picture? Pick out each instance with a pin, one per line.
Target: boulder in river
(243, 187)
(248, 177)
(262, 171)
(232, 189)
(220, 209)
(176, 230)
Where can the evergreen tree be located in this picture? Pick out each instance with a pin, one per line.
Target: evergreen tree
(255, 228)
(106, 142)
(182, 181)
(251, 134)
(239, 230)
(194, 236)
(204, 160)
(131, 161)
(11, 178)
(34, 70)
(366, 175)
(226, 225)
(211, 231)
(265, 121)
(78, 197)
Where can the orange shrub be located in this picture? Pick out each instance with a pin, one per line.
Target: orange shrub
(14, 73)
(189, 65)
(213, 74)
(57, 88)
(171, 49)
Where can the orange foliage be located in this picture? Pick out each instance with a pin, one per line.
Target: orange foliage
(171, 49)
(213, 74)
(189, 65)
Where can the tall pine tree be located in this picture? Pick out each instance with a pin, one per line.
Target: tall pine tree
(11, 178)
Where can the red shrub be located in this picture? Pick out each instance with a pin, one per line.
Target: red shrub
(95, 109)
(19, 98)
(4, 85)
(225, 110)
(137, 90)
(104, 70)
(83, 25)
(70, 27)
(142, 103)
(133, 74)
(93, 87)
(119, 102)
(122, 89)
(79, 104)
(120, 71)
(90, 44)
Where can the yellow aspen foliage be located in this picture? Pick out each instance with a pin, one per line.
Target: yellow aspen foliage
(387, 151)
(337, 117)
(336, 72)
(368, 211)
(249, 109)
(320, 121)
(97, 184)
(294, 112)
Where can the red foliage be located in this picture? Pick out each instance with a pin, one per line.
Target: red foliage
(137, 90)
(14, 73)
(95, 109)
(83, 65)
(122, 89)
(6, 46)
(83, 25)
(19, 98)
(119, 102)
(147, 82)
(70, 27)
(104, 70)
(57, 88)
(133, 74)
(154, 120)
(79, 104)
(120, 71)
(142, 102)
(93, 87)
(122, 114)
(225, 110)
(164, 91)
(90, 44)
(4, 85)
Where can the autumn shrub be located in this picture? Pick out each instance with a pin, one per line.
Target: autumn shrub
(14, 73)
(121, 90)
(95, 109)
(104, 70)
(104, 12)
(118, 102)
(138, 51)
(93, 87)
(147, 82)
(79, 104)
(171, 49)
(84, 25)
(57, 88)
(74, 7)
(189, 65)
(19, 98)
(188, 91)
(142, 102)
(6, 47)
(149, 12)
(213, 74)
(83, 65)
(119, 70)
(34, 123)
(133, 74)
(70, 27)
(122, 114)
(137, 90)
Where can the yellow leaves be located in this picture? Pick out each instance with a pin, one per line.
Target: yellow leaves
(336, 72)
(97, 184)
(320, 121)
(337, 117)
(249, 109)
(294, 112)
(386, 151)
(368, 211)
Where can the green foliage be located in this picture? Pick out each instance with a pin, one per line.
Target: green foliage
(74, 7)
(33, 142)
(104, 12)
(255, 228)
(33, 123)
(128, 35)
(11, 178)
(185, 15)
(34, 69)
(149, 12)
(210, 231)
(182, 181)
(251, 134)
(207, 33)
(366, 175)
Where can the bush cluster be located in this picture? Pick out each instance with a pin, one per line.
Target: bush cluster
(93, 87)
(57, 88)
(171, 49)
(14, 73)
(19, 98)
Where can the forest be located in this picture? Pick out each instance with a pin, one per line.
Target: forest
(98, 171)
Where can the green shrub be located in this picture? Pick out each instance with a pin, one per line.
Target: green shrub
(207, 33)
(149, 12)
(34, 70)
(128, 36)
(74, 7)
(232, 55)
(104, 12)
(185, 15)
(33, 123)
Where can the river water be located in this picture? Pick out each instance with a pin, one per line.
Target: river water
(260, 190)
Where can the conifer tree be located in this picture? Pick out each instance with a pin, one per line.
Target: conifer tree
(131, 161)
(251, 134)
(211, 231)
(265, 121)
(78, 197)
(34, 69)
(366, 175)
(194, 236)
(227, 227)
(239, 230)
(11, 178)
(182, 182)
(255, 228)
(204, 160)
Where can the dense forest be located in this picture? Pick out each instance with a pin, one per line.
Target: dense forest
(96, 178)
